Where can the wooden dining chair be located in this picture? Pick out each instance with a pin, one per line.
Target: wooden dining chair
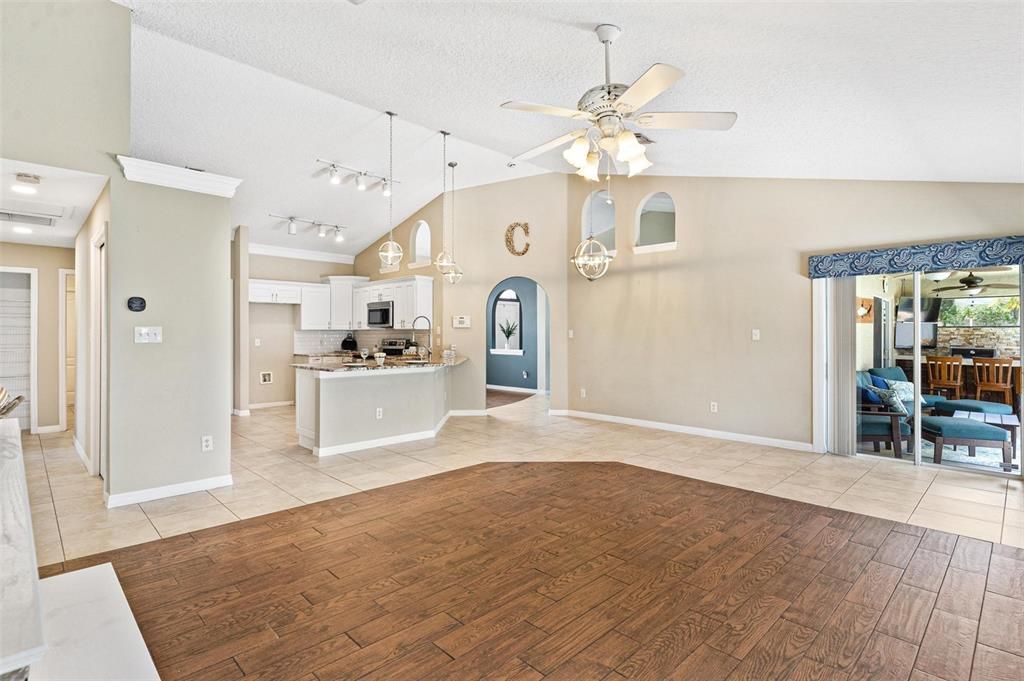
(994, 375)
(946, 374)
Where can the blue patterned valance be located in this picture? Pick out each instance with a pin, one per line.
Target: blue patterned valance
(952, 255)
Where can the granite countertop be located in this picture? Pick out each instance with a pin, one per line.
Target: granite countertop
(390, 365)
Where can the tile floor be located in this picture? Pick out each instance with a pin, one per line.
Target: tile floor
(272, 473)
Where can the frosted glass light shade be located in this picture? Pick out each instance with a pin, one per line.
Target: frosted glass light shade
(390, 254)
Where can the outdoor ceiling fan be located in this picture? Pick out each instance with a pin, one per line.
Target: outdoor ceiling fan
(609, 107)
(972, 285)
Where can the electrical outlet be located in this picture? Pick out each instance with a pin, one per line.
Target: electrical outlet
(714, 407)
(755, 334)
(257, 342)
(207, 443)
(583, 393)
(570, 333)
(380, 413)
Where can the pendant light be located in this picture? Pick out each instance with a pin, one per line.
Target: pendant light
(591, 258)
(390, 251)
(444, 260)
(454, 273)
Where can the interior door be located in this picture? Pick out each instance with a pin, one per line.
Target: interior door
(16, 341)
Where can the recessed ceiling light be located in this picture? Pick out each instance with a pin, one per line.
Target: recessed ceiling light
(21, 230)
(23, 189)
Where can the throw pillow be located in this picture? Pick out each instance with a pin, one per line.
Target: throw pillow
(891, 400)
(904, 389)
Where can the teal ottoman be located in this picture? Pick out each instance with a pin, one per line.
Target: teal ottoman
(947, 430)
(947, 407)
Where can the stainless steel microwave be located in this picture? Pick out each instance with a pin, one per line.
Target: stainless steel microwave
(380, 315)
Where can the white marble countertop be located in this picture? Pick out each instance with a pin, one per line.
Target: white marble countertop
(21, 622)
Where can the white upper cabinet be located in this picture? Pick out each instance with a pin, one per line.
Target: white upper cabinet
(268, 291)
(412, 296)
(360, 299)
(315, 308)
(342, 302)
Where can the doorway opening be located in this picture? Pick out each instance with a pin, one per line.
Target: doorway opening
(518, 330)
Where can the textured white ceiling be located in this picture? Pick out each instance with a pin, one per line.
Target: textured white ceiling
(866, 90)
(193, 108)
(73, 191)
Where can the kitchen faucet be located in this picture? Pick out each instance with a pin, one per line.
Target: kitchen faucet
(430, 334)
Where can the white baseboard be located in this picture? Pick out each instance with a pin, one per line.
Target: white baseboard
(141, 495)
(511, 389)
(44, 430)
(268, 405)
(468, 412)
(81, 451)
(691, 430)
(558, 412)
(241, 412)
(379, 442)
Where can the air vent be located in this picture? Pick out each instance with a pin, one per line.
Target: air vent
(26, 219)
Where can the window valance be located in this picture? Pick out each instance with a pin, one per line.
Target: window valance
(951, 255)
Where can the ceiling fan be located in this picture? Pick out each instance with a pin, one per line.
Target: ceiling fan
(609, 107)
(972, 285)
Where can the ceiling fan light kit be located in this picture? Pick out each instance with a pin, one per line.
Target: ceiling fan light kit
(609, 107)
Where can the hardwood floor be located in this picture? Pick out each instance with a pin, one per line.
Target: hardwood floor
(499, 398)
(574, 571)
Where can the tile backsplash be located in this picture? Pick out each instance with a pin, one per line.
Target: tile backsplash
(319, 342)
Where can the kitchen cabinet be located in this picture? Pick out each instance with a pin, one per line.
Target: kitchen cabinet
(315, 307)
(412, 297)
(343, 307)
(360, 299)
(268, 291)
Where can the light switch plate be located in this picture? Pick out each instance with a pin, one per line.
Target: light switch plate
(461, 321)
(755, 334)
(149, 334)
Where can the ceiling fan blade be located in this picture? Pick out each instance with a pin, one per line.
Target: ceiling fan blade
(655, 80)
(686, 120)
(950, 288)
(549, 110)
(548, 146)
(1003, 286)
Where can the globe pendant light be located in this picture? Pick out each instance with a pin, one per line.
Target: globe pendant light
(444, 261)
(390, 251)
(591, 258)
(453, 275)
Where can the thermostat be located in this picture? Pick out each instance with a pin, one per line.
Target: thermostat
(136, 304)
(460, 321)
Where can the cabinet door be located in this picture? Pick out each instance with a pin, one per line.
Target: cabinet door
(315, 308)
(290, 294)
(359, 301)
(386, 292)
(405, 306)
(260, 292)
(341, 305)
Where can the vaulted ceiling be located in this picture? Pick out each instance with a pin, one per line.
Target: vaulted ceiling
(854, 90)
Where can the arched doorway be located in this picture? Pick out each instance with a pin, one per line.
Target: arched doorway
(518, 341)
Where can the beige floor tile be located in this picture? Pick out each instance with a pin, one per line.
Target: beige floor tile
(872, 507)
(107, 518)
(270, 502)
(822, 480)
(1013, 535)
(989, 483)
(805, 493)
(886, 495)
(1014, 517)
(86, 543)
(246, 490)
(48, 552)
(1015, 500)
(317, 489)
(178, 504)
(937, 520)
(171, 524)
(971, 494)
(967, 509)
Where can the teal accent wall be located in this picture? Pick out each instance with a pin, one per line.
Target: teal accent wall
(508, 370)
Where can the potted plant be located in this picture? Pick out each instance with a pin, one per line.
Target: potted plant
(508, 329)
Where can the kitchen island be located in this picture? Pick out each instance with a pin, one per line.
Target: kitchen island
(342, 409)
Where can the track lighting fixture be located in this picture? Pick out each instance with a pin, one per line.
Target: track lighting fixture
(339, 174)
(335, 175)
(321, 227)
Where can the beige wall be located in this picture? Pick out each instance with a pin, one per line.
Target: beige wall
(167, 245)
(240, 318)
(293, 269)
(683, 319)
(483, 214)
(48, 261)
(368, 263)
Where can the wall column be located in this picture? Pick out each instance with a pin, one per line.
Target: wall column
(240, 298)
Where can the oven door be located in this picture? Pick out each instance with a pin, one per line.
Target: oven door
(378, 315)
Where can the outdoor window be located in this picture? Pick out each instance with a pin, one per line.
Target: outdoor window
(420, 245)
(656, 224)
(599, 216)
(995, 311)
(508, 322)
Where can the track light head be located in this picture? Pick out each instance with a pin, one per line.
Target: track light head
(338, 236)
(361, 182)
(321, 231)
(335, 175)
(385, 188)
(293, 227)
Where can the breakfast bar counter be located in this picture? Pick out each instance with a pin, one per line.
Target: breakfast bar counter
(342, 409)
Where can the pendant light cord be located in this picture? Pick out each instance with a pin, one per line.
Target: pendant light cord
(444, 188)
(452, 165)
(391, 170)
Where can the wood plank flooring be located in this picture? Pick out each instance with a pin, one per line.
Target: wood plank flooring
(574, 571)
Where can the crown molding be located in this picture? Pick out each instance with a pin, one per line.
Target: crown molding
(163, 175)
(300, 254)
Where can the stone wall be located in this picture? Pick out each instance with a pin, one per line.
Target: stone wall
(1006, 340)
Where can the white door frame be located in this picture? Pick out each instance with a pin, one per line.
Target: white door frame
(819, 366)
(98, 339)
(62, 344)
(33, 360)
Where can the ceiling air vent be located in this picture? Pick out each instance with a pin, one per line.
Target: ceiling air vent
(32, 212)
(26, 219)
